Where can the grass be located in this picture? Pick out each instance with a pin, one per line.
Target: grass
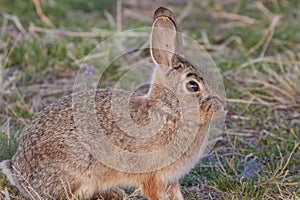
(257, 156)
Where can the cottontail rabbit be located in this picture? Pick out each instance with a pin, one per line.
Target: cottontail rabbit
(65, 152)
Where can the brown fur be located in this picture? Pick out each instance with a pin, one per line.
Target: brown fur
(57, 158)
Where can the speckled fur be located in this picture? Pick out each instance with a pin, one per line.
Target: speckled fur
(52, 161)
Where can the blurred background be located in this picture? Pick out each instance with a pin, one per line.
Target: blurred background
(255, 44)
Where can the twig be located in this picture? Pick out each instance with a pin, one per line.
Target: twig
(119, 15)
(233, 16)
(280, 172)
(185, 11)
(264, 10)
(26, 185)
(269, 59)
(221, 168)
(110, 19)
(16, 22)
(4, 58)
(242, 101)
(231, 162)
(136, 193)
(6, 194)
(290, 156)
(231, 24)
(236, 39)
(4, 25)
(97, 33)
(41, 14)
(269, 86)
(280, 79)
(239, 117)
(266, 37)
(270, 35)
(240, 134)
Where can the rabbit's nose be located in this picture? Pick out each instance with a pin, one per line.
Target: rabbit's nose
(220, 101)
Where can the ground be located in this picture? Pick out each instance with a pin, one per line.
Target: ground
(255, 44)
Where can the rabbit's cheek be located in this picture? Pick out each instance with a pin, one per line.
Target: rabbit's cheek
(205, 112)
(205, 118)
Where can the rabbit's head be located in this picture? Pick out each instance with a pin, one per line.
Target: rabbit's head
(174, 72)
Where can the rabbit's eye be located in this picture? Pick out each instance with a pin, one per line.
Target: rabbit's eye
(192, 86)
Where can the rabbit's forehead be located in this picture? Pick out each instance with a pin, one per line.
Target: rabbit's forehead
(196, 70)
(189, 67)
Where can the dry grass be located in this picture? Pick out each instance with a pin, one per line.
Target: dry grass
(255, 158)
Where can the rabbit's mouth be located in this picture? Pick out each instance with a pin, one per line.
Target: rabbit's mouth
(211, 108)
(219, 107)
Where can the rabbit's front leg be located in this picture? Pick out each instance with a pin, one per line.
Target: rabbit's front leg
(154, 189)
(174, 192)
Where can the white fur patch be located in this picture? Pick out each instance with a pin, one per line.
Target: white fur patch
(6, 170)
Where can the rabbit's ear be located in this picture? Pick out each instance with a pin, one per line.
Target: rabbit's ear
(165, 40)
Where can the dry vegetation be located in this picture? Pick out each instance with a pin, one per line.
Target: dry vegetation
(255, 44)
